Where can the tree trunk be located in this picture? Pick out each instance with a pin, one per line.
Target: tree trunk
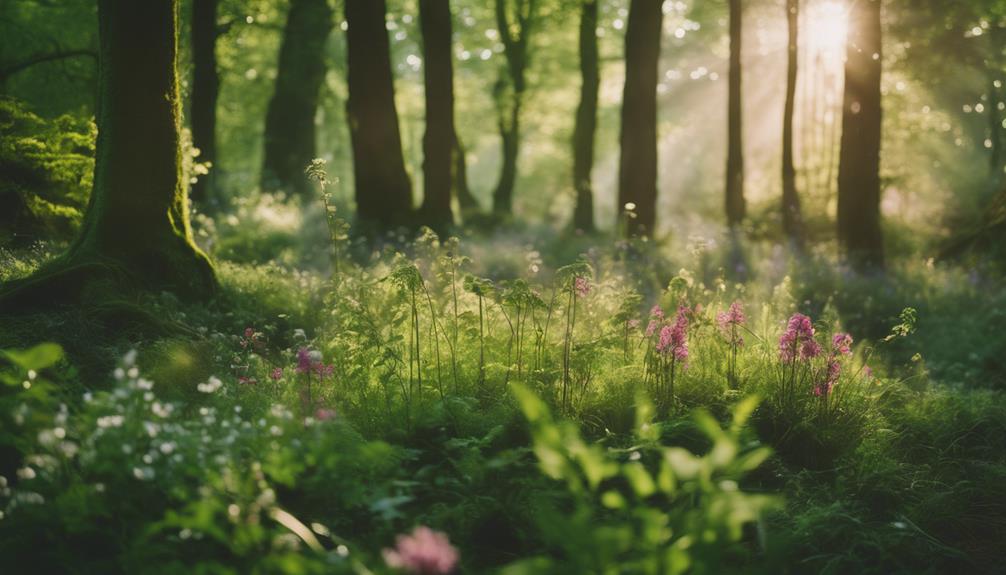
(586, 118)
(509, 92)
(792, 221)
(205, 88)
(735, 207)
(289, 125)
(138, 215)
(438, 141)
(859, 230)
(466, 201)
(383, 189)
(637, 170)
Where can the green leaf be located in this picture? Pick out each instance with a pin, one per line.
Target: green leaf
(39, 357)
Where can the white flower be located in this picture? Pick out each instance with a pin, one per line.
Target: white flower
(299, 334)
(210, 386)
(110, 421)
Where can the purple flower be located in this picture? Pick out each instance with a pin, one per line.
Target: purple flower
(798, 339)
(831, 377)
(841, 343)
(303, 360)
(582, 286)
(651, 327)
(656, 312)
(423, 552)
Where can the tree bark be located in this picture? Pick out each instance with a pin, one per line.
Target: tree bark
(735, 206)
(792, 220)
(859, 229)
(509, 92)
(383, 189)
(438, 141)
(995, 127)
(466, 201)
(637, 170)
(289, 126)
(205, 89)
(586, 118)
(138, 214)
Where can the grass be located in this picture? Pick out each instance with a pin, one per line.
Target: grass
(451, 385)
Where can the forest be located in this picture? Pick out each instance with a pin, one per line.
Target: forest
(504, 286)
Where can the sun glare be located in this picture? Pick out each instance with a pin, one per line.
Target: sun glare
(827, 23)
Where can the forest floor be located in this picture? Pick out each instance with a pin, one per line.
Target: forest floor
(573, 406)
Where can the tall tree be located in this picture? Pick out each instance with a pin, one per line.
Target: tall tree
(137, 220)
(438, 141)
(289, 125)
(859, 231)
(735, 147)
(515, 31)
(205, 89)
(637, 169)
(383, 189)
(792, 221)
(586, 118)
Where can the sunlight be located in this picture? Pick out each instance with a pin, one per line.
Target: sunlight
(827, 23)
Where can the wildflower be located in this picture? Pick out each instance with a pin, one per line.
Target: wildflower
(424, 552)
(243, 379)
(732, 317)
(831, 377)
(582, 286)
(673, 338)
(730, 320)
(656, 312)
(210, 386)
(798, 339)
(324, 414)
(841, 343)
(276, 374)
(303, 360)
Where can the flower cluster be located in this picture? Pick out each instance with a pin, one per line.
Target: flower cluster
(581, 286)
(841, 345)
(423, 552)
(310, 361)
(674, 337)
(251, 340)
(798, 340)
(730, 320)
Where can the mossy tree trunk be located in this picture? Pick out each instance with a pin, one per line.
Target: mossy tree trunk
(586, 118)
(637, 170)
(515, 20)
(859, 229)
(205, 89)
(383, 189)
(466, 201)
(792, 220)
(289, 137)
(438, 141)
(735, 205)
(136, 227)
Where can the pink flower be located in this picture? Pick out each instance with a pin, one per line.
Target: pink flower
(423, 552)
(730, 320)
(249, 332)
(867, 372)
(656, 312)
(582, 286)
(324, 414)
(674, 338)
(831, 377)
(798, 339)
(276, 374)
(841, 343)
(651, 327)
